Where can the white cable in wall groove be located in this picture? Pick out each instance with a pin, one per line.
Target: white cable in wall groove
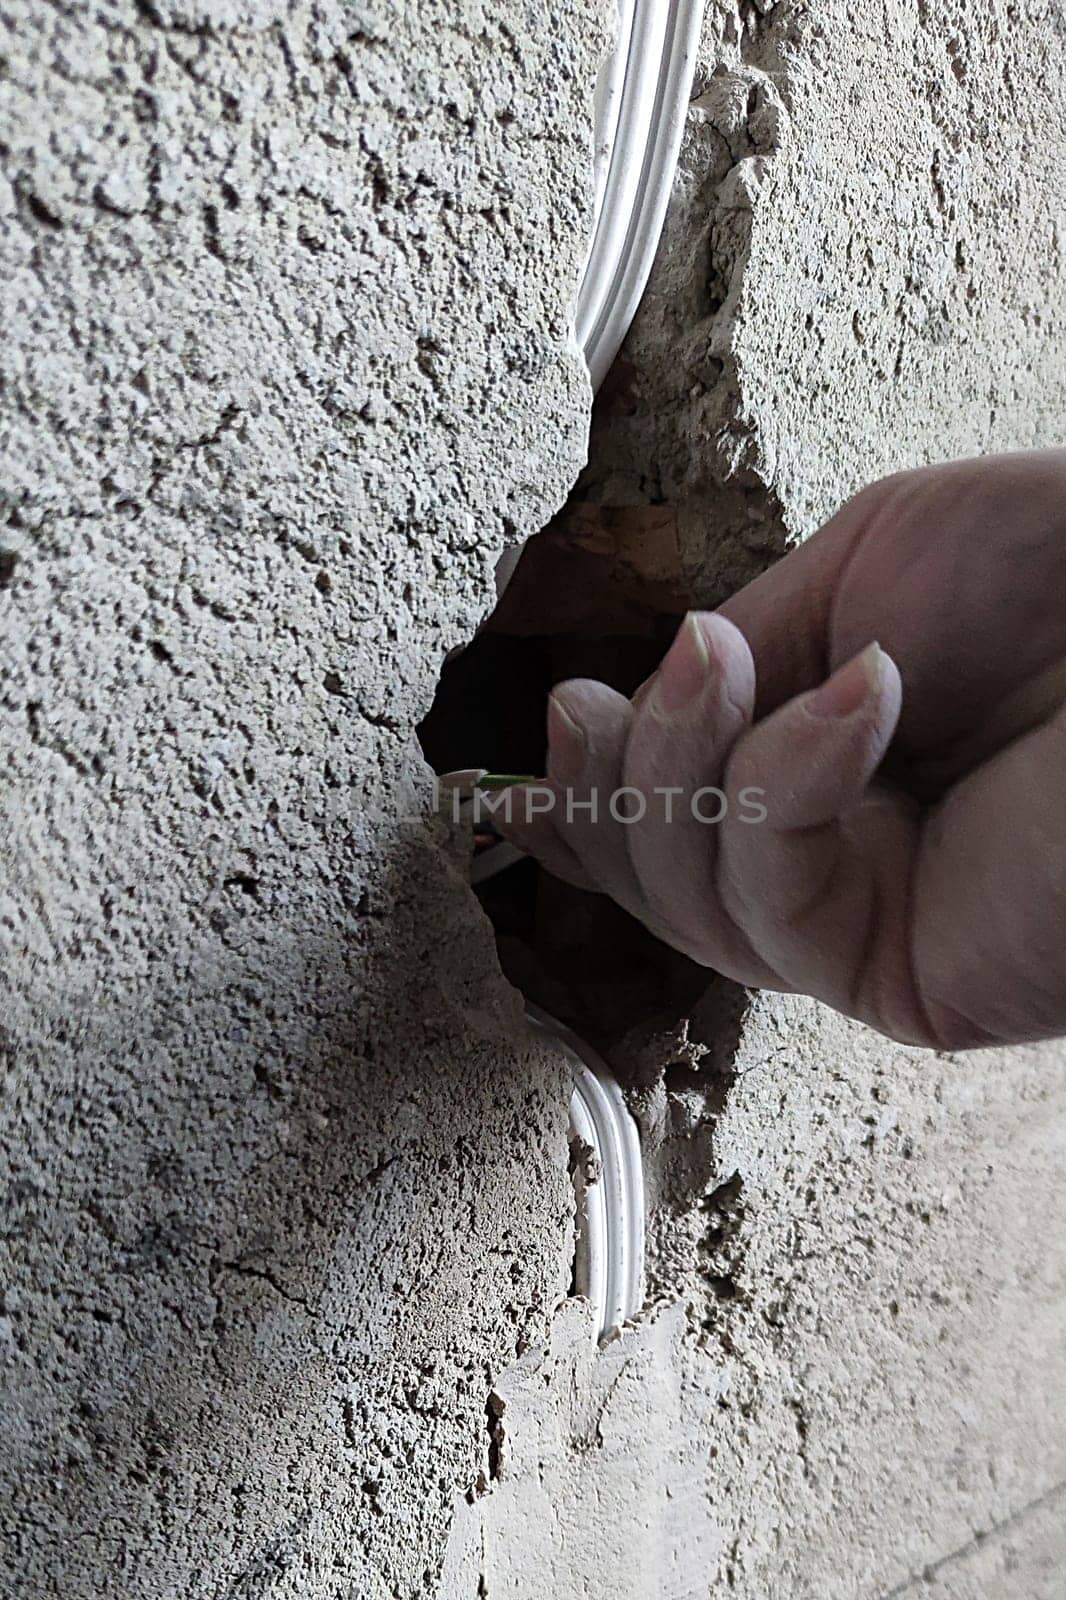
(621, 202)
(590, 1241)
(609, 1260)
(640, 104)
(661, 52)
(639, 108)
(607, 105)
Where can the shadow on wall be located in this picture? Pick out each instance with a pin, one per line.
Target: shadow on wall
(288, 1276)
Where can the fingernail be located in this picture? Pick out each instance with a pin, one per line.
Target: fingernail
(685, 668)
(566, 742)
(850, 687)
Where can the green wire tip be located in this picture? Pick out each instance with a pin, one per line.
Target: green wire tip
(504, 780)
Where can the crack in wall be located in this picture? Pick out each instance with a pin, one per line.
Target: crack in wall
(931, 1572)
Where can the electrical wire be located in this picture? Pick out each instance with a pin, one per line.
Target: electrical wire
(609, 1259)
(639, 112)
(661, 52)
(640, 104)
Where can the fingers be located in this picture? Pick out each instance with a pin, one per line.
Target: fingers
(989, 902)
(576, 834)
(935, 562)
(683, 729)
(778, 865)
(588, 725)
(817, 754)
(786, 613)
(531, 828)
(802, 883)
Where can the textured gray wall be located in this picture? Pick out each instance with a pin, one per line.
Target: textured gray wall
(286, 361)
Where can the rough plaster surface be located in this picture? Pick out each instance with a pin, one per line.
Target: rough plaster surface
(862, 267)
(286, 360)
(850, 1382)
(1022, 1561)
(284, 291)
(853, 1364)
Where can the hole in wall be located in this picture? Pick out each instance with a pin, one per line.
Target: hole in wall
(586, 600)
(597, 594)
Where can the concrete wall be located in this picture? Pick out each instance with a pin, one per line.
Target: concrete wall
(851, 1381)
(287, 361)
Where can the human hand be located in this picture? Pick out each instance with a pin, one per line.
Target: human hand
(911, 868)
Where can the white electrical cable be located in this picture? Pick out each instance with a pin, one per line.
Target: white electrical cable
(607, 104)
(660, 38)
(609, 1260)
(639, 115)
(590, 1241)
(488, 862)
(640, 104)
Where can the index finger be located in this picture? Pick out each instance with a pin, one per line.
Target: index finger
(785, 613)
